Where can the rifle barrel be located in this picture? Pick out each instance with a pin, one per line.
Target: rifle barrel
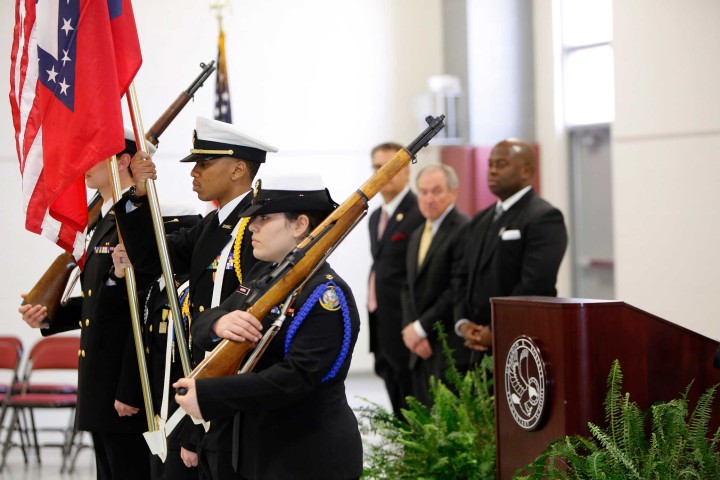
(157, 128)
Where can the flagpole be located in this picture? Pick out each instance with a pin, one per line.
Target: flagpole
(131, 285)
(159, 229)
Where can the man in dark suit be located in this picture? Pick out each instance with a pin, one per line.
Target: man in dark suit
(428, 294)
(109, 397)
(390, 229)
(511, 248)
(216, 252)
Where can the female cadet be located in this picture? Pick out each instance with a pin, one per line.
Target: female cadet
(292, 416)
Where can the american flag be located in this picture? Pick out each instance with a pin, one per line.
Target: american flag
(71, 61)
(222, 91)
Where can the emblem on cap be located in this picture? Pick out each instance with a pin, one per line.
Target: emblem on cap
(525, 383)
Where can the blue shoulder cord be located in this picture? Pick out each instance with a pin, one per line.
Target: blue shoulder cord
(305, 311)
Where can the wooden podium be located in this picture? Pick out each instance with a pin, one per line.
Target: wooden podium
(575, 341)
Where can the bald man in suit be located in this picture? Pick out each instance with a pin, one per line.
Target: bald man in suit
(390, 228)
(511, 248)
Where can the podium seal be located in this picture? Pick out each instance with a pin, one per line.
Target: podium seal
(525, 383)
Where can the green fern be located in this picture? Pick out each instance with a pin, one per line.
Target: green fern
(613, 400)
(453, 439)
(677, 446)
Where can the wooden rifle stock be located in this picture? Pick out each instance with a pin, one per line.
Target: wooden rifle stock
(49, 290)
(227, 357)
(153, 135)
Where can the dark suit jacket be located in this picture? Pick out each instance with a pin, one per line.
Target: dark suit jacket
(193, 251)
(389, 264)
(294, 422)
(107, 369)
(429, 295)
(519, 254)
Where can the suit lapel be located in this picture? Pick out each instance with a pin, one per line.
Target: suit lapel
(373, 226)
(105, 225)
(478, 234)
(208, 245)
(213, 239)
(394, 221)
(491, 239)
(502, 224)
(412, 253)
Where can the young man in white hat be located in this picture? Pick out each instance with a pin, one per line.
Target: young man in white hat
(216, 253)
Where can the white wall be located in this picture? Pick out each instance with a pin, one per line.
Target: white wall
(666, 161)
(324, 81)
(500, 71)
(549, 123)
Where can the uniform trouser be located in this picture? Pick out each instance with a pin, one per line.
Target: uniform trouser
(216, 465)
(173, 468)
(121, 456)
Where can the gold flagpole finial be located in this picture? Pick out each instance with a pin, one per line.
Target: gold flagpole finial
(219, 6)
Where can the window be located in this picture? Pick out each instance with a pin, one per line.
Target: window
(588, 97)
(587, 62)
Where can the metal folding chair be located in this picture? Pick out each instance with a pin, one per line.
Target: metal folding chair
(11, 349)
(51, 353)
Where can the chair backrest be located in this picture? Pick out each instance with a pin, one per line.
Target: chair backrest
(11, 349)
(55, 353)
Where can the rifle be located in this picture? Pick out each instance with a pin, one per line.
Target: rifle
(48, 291)
(226, 358)
(153, 135)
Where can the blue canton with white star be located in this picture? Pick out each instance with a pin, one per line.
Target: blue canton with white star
(57, 69)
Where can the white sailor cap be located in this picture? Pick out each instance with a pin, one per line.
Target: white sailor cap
(214, 139)
(131, 146)
(299, 193)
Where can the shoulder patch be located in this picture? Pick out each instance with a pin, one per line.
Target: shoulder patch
(329, 299)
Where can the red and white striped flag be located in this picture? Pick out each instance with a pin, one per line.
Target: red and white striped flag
(71, 62)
